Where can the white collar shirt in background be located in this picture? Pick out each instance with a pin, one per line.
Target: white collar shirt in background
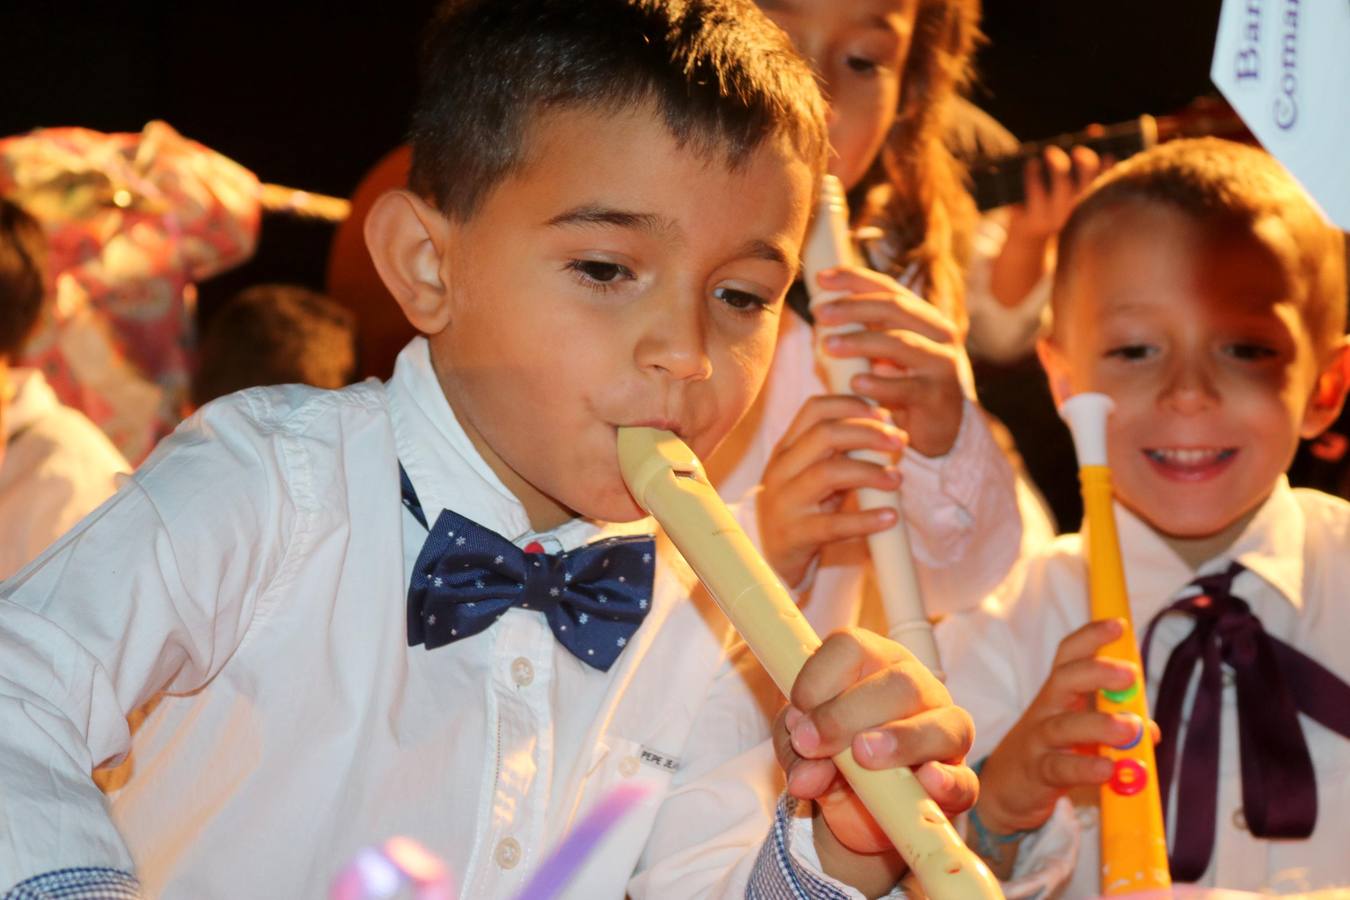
(55, 466)
(1295, 551)
(255, 570)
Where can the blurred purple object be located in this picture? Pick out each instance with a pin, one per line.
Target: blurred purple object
(577, 847)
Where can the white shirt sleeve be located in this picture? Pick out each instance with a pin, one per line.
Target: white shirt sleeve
(152, 592)
(965, 523)
(999, 333)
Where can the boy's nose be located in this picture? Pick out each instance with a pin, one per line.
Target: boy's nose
(675, 342)
(1189, 387)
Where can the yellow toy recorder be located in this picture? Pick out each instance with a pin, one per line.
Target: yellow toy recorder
(668, 480)
(1134, 846)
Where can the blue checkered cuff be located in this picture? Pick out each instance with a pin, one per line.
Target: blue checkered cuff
(86, 883)
(778, 874)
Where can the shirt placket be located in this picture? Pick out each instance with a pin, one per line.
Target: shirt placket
(521, 681)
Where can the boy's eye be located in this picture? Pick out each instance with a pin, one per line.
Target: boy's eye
(740, 300)
(1130, 352)
(599, 274)
(862, 64)
(1251, 352)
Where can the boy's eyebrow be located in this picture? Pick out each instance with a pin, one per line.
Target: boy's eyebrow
(656, 224)
(619, 218)
(758, 249)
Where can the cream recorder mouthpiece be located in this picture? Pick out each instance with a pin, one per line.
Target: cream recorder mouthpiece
(1086, 415)
(828, 244)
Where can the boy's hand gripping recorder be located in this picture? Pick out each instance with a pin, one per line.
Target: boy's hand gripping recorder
(1134, 846)
(668, 481)
(829, 245)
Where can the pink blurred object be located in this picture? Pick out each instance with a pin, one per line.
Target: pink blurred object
(378, 872)
(133, 221)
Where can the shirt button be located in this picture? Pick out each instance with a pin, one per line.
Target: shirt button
(507, 853)
(628, 766)
(1239, 819)
(522, 673)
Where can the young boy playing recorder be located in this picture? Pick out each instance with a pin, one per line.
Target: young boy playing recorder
(397, 608)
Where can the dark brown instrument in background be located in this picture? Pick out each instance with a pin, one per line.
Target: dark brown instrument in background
(999, 181)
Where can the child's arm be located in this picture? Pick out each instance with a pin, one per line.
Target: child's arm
(153, 591)
(1026, 257)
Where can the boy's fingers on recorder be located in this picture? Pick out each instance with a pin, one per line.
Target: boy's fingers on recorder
(857, 682)
(1086, 641)
(824, 478)
(858, 280)
(935, 735)
(835, 423)
(827, 528)
(883, 310)
(1089, 727)
(909, 351)
(1069, 682)
(806, 778)
(1065, 770)
(954, 788)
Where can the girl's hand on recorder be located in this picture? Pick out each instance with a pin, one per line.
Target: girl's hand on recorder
(868, 693)
(917, 356)
(801, 506)
(1052, 748)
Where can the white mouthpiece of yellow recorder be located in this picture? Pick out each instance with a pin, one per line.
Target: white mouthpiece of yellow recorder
(1086, 415)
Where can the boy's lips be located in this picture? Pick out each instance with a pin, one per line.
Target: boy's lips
(1190, 463)
(663, 424)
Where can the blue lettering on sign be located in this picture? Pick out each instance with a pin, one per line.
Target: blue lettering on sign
(1249, 55)
(1286, 101)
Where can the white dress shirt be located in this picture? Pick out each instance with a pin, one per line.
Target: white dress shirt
(961, 509)
(255, 572)
(1295, 551)
(55, 466)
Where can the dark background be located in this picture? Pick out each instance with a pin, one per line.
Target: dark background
(311, 96)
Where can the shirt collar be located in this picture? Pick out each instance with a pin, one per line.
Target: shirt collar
(446, 469)
(1270, 548)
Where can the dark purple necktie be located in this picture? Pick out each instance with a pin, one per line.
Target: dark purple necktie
(1274, 684)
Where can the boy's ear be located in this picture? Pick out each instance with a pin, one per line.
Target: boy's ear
(1329, 393)
(408, 239)
(1056, 369)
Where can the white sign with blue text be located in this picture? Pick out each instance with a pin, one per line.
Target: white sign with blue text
(1284, 65)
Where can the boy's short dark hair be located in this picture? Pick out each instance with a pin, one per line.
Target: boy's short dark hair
(1227, 184)
(275, 334)
(722, 76)
(23, 260)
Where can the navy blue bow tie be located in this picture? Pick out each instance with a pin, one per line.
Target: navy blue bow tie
(468, 576)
